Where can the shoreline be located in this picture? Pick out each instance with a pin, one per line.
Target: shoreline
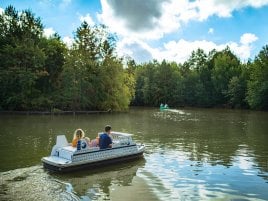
(54, 112)
(70, 112)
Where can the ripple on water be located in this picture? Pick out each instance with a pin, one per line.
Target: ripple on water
(175, 115)
(172, 176)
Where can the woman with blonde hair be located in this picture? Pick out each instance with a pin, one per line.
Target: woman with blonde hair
(78, 135)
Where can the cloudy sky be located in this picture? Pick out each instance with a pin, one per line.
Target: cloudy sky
(160, 29)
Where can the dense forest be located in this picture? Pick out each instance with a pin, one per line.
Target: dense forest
(40, 73)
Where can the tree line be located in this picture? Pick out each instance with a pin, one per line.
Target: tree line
(217, 79)
(40, 73)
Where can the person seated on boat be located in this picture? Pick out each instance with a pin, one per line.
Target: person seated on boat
(105, 138)
(95, 142)
(78, 135)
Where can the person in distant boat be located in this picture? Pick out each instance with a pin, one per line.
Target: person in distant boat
(78, 135)
(105, 138)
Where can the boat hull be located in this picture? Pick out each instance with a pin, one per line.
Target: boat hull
(89, 165)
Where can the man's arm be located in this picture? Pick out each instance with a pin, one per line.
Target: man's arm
(110, 142)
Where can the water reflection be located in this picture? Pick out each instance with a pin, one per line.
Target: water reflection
(215, 136)
(98, 183)
(173, 175)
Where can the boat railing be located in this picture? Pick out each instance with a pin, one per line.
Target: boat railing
(121, 137)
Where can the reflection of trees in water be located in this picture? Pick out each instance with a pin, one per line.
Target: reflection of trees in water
(214, 136)
(257, 139)
(96, 183)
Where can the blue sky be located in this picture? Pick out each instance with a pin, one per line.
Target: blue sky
(166, 29)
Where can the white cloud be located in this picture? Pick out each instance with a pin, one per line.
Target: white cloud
(180, 51)
(68, 41)
(136, 49)
(143, 19)
(49, 32)
(222, 8)
(152, 19)
(1, 10)
(87, 19)
(139, 23)
(248, 38)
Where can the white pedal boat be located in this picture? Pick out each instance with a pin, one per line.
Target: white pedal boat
(67, 158)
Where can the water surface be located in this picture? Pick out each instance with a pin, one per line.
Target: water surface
(191, 154)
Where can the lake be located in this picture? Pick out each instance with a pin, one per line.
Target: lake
(191, 154)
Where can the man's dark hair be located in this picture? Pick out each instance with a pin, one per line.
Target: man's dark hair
(108, 128)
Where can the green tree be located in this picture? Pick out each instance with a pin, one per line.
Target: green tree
(225, 66)
(237, 88)
(21, 59)
(138, 98)
(149, 85)
(93, 76)
(130, 74)
(199, 63)
(49, 84)
(257, 94)
(80, 82)
(192, 88)
(167, 79)
(236, 92)
(116, 93)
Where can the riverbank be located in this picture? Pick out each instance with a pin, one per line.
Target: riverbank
(54, 112)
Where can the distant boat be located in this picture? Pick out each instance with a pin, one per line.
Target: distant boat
(163, 107)
(67, 158)
(166, 108)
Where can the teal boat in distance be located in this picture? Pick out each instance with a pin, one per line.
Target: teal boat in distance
(163, 107)
(166, 108)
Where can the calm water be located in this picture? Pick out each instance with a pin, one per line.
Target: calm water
(192, 154)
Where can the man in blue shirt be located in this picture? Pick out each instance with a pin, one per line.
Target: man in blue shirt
(105, 139)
